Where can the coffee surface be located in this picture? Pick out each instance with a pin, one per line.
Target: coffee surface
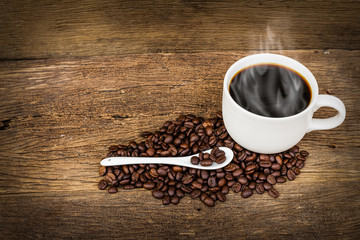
(270, 90)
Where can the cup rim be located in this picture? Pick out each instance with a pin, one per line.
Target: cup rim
(235, 67)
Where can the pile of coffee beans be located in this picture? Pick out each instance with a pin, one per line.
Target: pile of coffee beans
(248, 172)
(207, 159)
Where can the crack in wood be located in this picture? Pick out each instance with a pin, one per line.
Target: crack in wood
(119, 116)
(6, 124)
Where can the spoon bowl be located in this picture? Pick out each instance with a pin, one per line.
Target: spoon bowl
(178, 161)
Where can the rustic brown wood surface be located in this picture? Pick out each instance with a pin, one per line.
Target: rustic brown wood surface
(59, 117)
(77, 77)
(46, 29)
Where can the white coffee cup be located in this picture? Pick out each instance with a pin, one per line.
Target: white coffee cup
(276, 134)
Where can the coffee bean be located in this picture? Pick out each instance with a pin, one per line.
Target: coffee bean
(237, 172)
(241, 156)
(175, 200)
(302, 158)
(276, 173)
(172, 183)
(214, 189)
(273, 193)
(196, 184)
(297, 171)
(304, 153)
(264, 157)
(220, 174)
(196, 193)
(164, 188)
(260, 188)
(113, 190)
(246, 193)
(171, 176)
(220, 159)
(291, 175)
(301, 165)
(213, 196)
(135, 176)
(124, 182)
(204, 174)
(173, 150)
(279, 159)
(186, 189)
(280, 179)
(251, 158)
(208, 201)
(150, 151)
(153, 173)
(166, 200)
(115, 183)
(195, 160)
(177, 169)
(230, 167)
(184, 152)
(283, 170)
(138, 185)
(252, 185)
(212, 182)
(265, 164)
(222, 182)
(149, 185)
(113, 148)
(225, 189)
(102, 184)
(110, 177)
(230, 183)
(102, 171)
(160, 185)
(171, 191)
(250, 168)
(288, 165)
(203, 196)
(236, 187)
(209, 130)
(275, 166)
(267, 186)
(271, 179)
(262, 176)
(229, 176)
(221, 196)
(187, 179)
(243, 180)
(180, 193)
(157, 194)
(162, 171)
(206, 162)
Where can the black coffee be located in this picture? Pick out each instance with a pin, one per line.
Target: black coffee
(270, 90)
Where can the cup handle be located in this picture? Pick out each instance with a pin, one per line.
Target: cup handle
(332, 122)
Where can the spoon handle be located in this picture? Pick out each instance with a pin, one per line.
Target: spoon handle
(179, 161)
(113, 161)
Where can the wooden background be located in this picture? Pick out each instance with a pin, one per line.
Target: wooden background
(79, 76)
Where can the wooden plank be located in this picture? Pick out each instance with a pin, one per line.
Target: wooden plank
(46, 29)
(60, 115)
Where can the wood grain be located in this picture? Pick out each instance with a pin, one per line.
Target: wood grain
(60, 115)
(49, 29)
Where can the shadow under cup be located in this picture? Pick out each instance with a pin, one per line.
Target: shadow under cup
(267, 134)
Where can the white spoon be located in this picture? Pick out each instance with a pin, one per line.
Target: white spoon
(179, 161)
